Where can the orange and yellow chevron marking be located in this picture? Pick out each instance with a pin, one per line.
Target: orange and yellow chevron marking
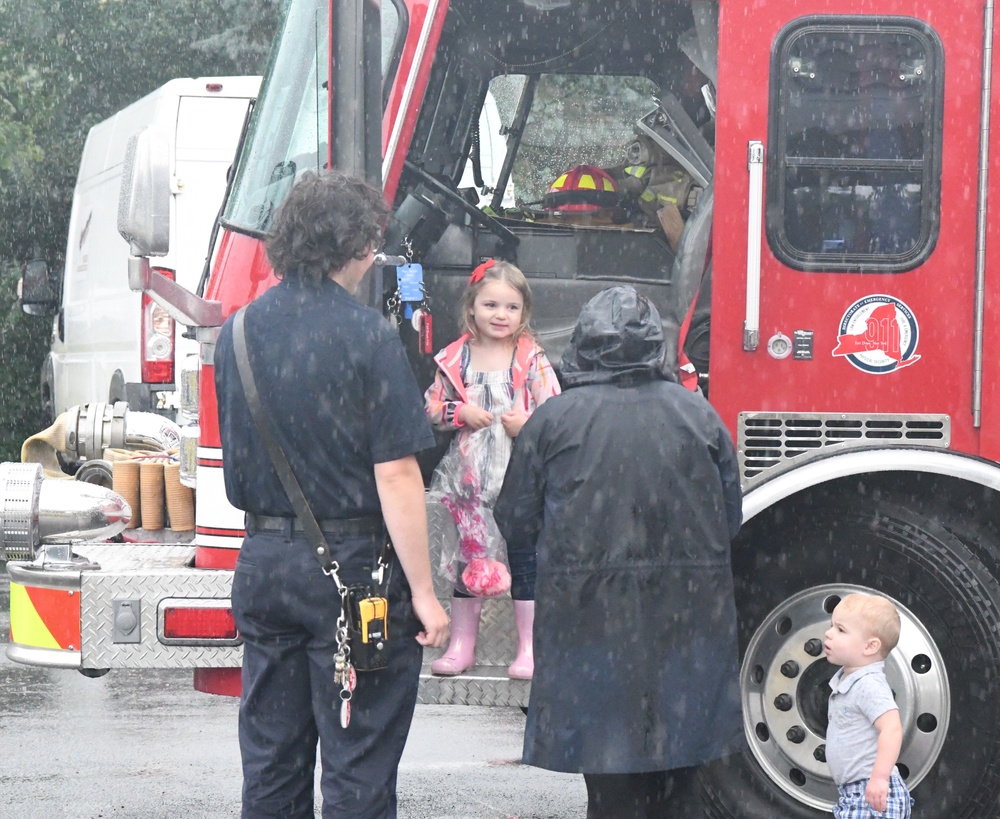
(44, 618)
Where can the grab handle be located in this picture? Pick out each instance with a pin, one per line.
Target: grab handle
(755, 166)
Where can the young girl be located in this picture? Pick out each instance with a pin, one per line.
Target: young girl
(488, 382)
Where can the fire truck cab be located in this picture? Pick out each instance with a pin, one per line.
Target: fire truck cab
(802, 189)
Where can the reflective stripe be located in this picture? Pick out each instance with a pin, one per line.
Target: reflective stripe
(44, 618)
(648, 196)
(409, 88)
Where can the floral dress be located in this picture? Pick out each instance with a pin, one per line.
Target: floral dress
(469, 476)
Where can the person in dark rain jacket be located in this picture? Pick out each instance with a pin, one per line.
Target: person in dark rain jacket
(623, 495)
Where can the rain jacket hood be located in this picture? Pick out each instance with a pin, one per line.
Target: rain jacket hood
(618, 337)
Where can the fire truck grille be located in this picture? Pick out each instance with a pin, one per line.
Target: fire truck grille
(769, 442)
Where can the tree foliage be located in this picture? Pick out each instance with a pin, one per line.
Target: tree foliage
(23, 343)
(66, 65)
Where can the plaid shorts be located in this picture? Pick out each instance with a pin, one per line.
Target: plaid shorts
(852, 804)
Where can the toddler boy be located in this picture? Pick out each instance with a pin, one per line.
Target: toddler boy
(864, 733)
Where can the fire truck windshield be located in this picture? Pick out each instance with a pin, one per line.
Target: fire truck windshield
(573, 120)
(288, 135)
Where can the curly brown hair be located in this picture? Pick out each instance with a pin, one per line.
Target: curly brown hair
(325, 221)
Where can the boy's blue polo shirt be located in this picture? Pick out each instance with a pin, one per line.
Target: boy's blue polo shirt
(856, 701)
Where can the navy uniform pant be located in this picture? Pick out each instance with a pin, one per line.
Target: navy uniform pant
(286, 610)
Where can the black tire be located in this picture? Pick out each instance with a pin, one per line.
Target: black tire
(838, 537)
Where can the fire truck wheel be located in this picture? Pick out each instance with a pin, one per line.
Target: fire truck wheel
(792, 565)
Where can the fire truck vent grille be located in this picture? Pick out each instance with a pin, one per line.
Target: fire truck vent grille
(769, 442)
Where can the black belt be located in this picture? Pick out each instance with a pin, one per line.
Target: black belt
(347, 527)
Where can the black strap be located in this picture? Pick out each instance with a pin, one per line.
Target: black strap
(310, 525)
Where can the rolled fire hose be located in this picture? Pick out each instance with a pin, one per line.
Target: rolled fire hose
(83, 433)
(90, 432)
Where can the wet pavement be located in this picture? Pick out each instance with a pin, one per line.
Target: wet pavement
(146, 744)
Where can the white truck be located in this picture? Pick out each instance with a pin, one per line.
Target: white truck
(110, 343)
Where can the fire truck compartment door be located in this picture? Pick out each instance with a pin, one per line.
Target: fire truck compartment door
(424, 24)
(863, 297)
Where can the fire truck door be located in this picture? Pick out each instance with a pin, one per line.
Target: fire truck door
(411, 51)
(353, 89)
(845, 219)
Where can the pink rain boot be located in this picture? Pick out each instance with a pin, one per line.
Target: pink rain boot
(523, 667)
(461, 652)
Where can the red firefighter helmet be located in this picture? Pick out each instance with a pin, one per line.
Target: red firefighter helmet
(585, 188)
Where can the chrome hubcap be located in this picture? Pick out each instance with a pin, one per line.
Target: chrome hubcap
(785, 688)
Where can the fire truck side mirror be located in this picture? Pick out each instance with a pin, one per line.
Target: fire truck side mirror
(144, 199)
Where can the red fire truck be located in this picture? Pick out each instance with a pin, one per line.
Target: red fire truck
(803, 190)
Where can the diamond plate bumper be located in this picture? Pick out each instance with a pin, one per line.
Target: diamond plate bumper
(480, 686)
(146, 574)
(150, 573)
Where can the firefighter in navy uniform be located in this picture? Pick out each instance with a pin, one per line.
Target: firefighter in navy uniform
(343, 404)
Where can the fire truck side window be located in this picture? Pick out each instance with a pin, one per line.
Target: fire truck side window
(854, 150)
(288, 135)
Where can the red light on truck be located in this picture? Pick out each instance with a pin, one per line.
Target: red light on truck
(213, 87)
(157, 341)
(196, 622)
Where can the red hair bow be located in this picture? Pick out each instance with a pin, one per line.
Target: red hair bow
(479, 272)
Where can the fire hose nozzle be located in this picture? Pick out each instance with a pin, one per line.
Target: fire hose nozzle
(92, 428)
(36, 511)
